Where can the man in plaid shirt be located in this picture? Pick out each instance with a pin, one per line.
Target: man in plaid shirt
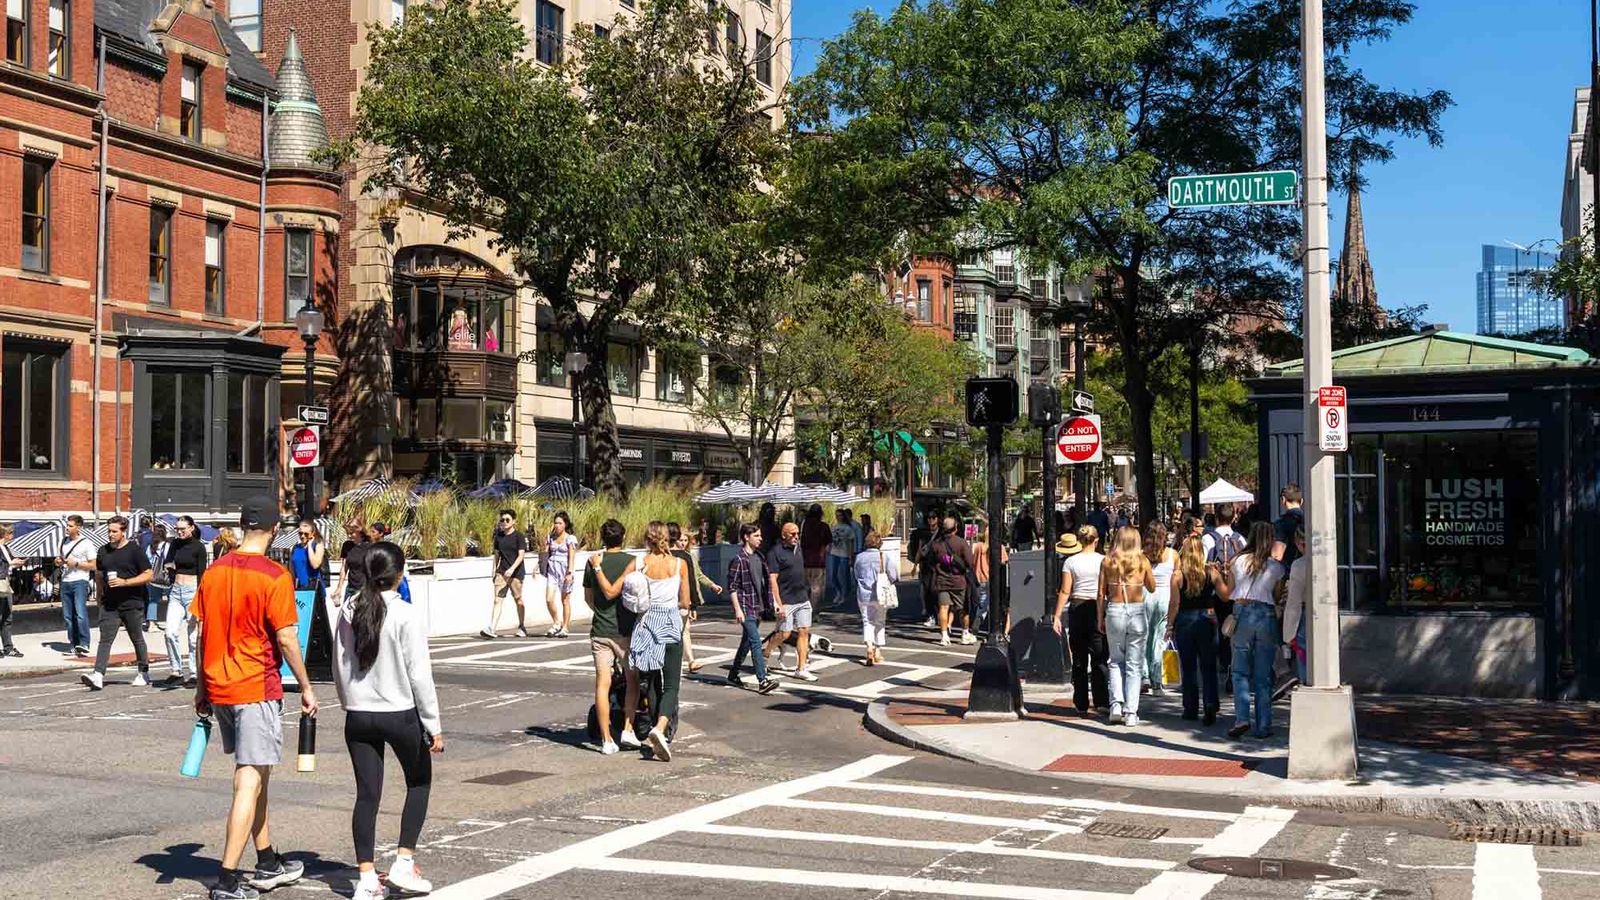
(747, 576)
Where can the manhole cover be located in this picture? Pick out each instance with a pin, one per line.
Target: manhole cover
(1539, 836)
(509, 776)
(1281, 869)
(1123, 830)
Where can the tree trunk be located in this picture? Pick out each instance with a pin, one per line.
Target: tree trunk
(1141, 402)
(594, 396)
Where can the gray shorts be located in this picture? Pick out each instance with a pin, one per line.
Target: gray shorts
(796, 616)
(252, 732)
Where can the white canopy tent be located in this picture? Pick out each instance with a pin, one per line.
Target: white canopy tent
(1222, 492)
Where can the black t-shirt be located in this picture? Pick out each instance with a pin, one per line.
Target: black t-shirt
(355, 565)
(126, 561)
(506, 548)
(1285, 527)
(790, 567)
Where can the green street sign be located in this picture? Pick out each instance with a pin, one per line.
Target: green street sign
(1237, 189)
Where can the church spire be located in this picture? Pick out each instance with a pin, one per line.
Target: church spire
(1356, 284)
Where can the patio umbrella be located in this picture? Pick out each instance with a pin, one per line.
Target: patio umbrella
(372, 488)
(560, 487)
(43, 541)
(289, 535)
(431, 486)
(499, 490)
(736, 492)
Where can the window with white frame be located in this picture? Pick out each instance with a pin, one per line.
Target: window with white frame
(57, 56)
(245, 17)
(189, 102)
(17, 31)
(216, 256)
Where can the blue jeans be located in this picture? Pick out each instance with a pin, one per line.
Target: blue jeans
(841, 583)
(750, 642)
(1195, 633)
(75, 609)
(1126, 625)
(156, 595)
(1255, 646)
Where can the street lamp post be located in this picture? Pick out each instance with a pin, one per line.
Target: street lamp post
(576, 362)
(1322, 729)
(1078, 302)
(309, 321)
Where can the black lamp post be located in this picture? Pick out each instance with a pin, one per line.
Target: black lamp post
(1078, 300)
(308, 321)
(575, 363)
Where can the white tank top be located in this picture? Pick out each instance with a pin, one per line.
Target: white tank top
(1163, 575)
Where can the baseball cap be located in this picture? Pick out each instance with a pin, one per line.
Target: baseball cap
(258, 513)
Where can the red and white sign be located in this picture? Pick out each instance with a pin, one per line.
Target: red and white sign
(305, 447)
(1333, 420)
(1079, 440)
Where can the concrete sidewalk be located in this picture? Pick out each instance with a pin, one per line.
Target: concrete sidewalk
(49, 653)
(1170, 754)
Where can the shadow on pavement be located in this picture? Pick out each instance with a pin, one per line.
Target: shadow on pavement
(180, 862)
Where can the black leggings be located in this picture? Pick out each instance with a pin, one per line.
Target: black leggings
(365, 733)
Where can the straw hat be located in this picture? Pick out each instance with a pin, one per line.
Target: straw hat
(1068, 544)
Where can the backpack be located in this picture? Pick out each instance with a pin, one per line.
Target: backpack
(1227, 547)
(945, 558)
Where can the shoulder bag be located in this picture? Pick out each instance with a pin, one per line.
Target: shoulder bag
(884, 592)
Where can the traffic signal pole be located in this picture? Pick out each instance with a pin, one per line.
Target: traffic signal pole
(1322, 730)
(996, 693)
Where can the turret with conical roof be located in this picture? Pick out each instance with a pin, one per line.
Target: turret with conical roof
(297, 130)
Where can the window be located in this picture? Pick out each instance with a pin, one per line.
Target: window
(178, 420)
(924, 300)
(602, 32)
(966, 317)
(30, 389)
(35, 214)
(248, 427)
(160, 255)
(189, 103)
(17, 31)
(497, 421)
(57, 55)
(1005, 271)
(1005, 326)
(674, 374)
(245, 17)
(1039, 288)
(551, 360)
(764, 58)
(732, 34)
(627, 4)
(550, 33)
(729, 382)
(945, 297)
(296, 271)
(216, 254)
(459, 419)
(622, 368)
(397, 12)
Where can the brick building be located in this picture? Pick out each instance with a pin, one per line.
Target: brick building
(131, 143)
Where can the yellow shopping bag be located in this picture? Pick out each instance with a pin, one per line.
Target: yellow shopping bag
(1169, 665)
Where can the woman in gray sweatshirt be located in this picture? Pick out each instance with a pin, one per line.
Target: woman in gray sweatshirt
(385, 682)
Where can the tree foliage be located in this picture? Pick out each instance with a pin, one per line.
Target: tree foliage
(1059, 122)
(607, 177)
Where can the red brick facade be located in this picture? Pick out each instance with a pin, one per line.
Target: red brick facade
(213, 178)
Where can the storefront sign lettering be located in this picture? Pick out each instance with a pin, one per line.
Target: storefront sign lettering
(1464, 512)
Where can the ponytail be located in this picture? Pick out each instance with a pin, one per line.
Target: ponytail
(384, 563)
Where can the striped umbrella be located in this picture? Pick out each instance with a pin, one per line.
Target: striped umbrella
(373, 488)
(560, 487)
(735, 492)
(43, 541)
(289, 535)
(499, 490)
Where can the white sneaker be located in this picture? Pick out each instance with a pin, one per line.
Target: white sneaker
(370, 890)
(554, 630)
(141, 680)
(805, 674)
(1158, 689)
(1132, 720)
(944, 639)
(967, 637)
(630, 740)
(1115, 712)
(94, 680)
(659, 745)
(405, 876)
(522, 632)
(487, 634)
(608, 748)
(930, 623)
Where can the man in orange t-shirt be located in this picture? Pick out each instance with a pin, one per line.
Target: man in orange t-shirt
(246, 614)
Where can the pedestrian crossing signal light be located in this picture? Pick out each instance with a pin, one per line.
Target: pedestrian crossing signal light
(992, 401)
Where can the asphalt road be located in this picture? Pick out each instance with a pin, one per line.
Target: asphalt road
(777, 796)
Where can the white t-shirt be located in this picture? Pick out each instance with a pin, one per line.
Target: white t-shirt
(1210, 541)
(1085, 571)
(1255, 587)
(79, 550)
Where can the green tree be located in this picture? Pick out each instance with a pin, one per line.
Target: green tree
(1059, 122)
(1575, 277)
(606, 176)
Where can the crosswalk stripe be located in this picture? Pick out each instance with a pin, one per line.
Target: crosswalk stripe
(1505, 872)
(844, 880)
(1244, 837)
(943, 846)
(906, 812)
(1039, 800)
(596, 849)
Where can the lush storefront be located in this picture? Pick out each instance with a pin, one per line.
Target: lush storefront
(1464, 507)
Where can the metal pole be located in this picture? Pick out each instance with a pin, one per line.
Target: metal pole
(577, 434)
(1322, 723)
(1047, 459)
(1080, 473)
(311, 400)
(1194, 422)
(99, 287)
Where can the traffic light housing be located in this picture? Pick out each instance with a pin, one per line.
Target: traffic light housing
(1044, 404)
(992, 401)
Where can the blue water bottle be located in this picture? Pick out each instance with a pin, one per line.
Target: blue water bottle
(197, 747)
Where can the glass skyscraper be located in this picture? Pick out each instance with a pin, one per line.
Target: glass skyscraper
(1509, 301)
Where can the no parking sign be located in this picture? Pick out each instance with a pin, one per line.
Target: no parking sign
(1333, 420)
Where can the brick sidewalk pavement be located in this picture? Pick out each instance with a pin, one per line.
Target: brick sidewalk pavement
(1560, 739)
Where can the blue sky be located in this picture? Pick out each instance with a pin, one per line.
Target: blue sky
(1511, 68)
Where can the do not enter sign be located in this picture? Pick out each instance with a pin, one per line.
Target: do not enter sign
(1079, 440)
(305, 447)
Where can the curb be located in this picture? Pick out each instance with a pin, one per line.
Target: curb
(36, 671)
(1578, 815)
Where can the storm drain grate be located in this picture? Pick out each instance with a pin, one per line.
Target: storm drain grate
(509, 776)
(1124, 830)
(1539, 835)
(1276, 869)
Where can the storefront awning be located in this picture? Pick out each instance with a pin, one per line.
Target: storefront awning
(900, 442)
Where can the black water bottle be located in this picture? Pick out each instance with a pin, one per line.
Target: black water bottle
(307, 761)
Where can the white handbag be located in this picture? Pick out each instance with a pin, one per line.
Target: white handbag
(884, 593)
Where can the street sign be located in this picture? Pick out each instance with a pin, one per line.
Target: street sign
(1235, 189)
(1079, 441)
(314, 415)
(1186, 442)
(305, 447)
(992, 401)
(1333, 420)
(1082, 402)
